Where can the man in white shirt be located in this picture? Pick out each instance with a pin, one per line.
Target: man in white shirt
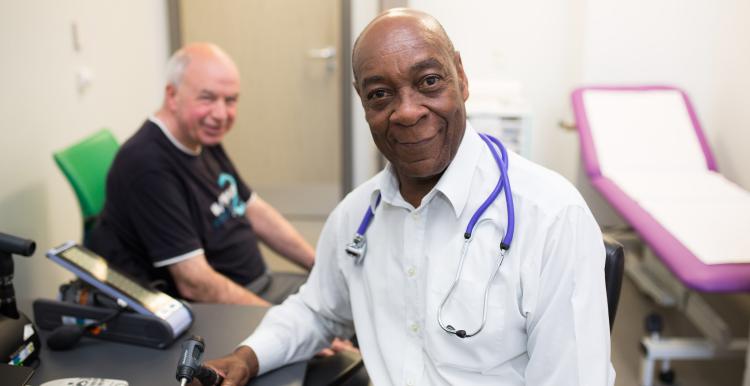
(546, 308)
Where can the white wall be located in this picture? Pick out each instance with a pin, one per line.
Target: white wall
(697, 45)
(700, 46)
(364, 153)
(534, 43)
(124, 45)
(552, 46)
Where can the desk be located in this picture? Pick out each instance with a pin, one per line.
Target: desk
(222, 326)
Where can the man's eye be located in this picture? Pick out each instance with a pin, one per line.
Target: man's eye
(377, 94)
(430, 80)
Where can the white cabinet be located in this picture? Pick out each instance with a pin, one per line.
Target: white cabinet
(498, 108)
(513, 130)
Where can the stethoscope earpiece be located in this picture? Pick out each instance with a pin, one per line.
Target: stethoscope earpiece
(460, 333)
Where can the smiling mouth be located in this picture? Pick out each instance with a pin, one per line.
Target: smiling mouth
(213, 129)
(415, 143)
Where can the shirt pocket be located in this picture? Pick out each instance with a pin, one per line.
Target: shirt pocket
(463, 310)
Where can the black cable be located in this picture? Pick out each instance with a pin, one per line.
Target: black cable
(66, 336)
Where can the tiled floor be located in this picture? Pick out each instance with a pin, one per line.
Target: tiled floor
(628, 328)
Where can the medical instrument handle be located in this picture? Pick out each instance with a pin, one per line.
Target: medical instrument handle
(190, 360)
(208, 377)
(189, 365)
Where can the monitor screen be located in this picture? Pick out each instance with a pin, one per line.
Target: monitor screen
(97, 267)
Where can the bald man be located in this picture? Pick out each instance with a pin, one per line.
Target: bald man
(545, 302)
(177, 212)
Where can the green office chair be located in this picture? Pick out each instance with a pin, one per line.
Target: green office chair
(86, 165)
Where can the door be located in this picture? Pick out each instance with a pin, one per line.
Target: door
(287, 140)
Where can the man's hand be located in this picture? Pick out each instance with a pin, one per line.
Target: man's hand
(237, 368)
(337, 346)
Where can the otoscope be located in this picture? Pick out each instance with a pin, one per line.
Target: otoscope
(189, 365)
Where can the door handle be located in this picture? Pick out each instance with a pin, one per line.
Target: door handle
(324, 53)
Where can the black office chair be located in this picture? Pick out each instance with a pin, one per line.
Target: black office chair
(614, 266)
(342, 369)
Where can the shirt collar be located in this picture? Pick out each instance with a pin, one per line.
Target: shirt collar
(454, 184)
(386, 185)
(158, 122)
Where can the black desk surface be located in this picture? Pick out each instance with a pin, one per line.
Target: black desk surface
(222, 326)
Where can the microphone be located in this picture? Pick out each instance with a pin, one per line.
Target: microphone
(65, 337)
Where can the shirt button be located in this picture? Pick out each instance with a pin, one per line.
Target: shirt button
(409, 382)
(411, 271)
(415, 215)
(414, 328)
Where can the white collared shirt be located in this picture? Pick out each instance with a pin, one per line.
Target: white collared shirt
(547, 321)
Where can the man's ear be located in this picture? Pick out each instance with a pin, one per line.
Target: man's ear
(359, 94)
(356, 88)
(170, 96)
(463, 82)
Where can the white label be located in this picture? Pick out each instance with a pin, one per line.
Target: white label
(28, 331)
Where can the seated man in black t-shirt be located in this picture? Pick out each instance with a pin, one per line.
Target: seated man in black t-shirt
(178, 213)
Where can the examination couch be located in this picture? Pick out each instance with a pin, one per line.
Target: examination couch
(645, 152)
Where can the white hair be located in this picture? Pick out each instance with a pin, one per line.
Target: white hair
(176, 67)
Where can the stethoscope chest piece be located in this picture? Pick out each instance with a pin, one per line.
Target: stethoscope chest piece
(357, 248)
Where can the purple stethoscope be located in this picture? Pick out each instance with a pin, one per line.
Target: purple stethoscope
(357, 248)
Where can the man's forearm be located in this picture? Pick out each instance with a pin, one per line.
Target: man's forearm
(292, 246)
(274, 230)
(197, 281)
(217, 288)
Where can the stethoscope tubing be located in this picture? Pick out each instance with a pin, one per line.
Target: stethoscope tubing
(447, 327)
(503, 182)
(358, 247)
(367, 218)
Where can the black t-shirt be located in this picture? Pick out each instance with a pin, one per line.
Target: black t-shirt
(164, 205)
